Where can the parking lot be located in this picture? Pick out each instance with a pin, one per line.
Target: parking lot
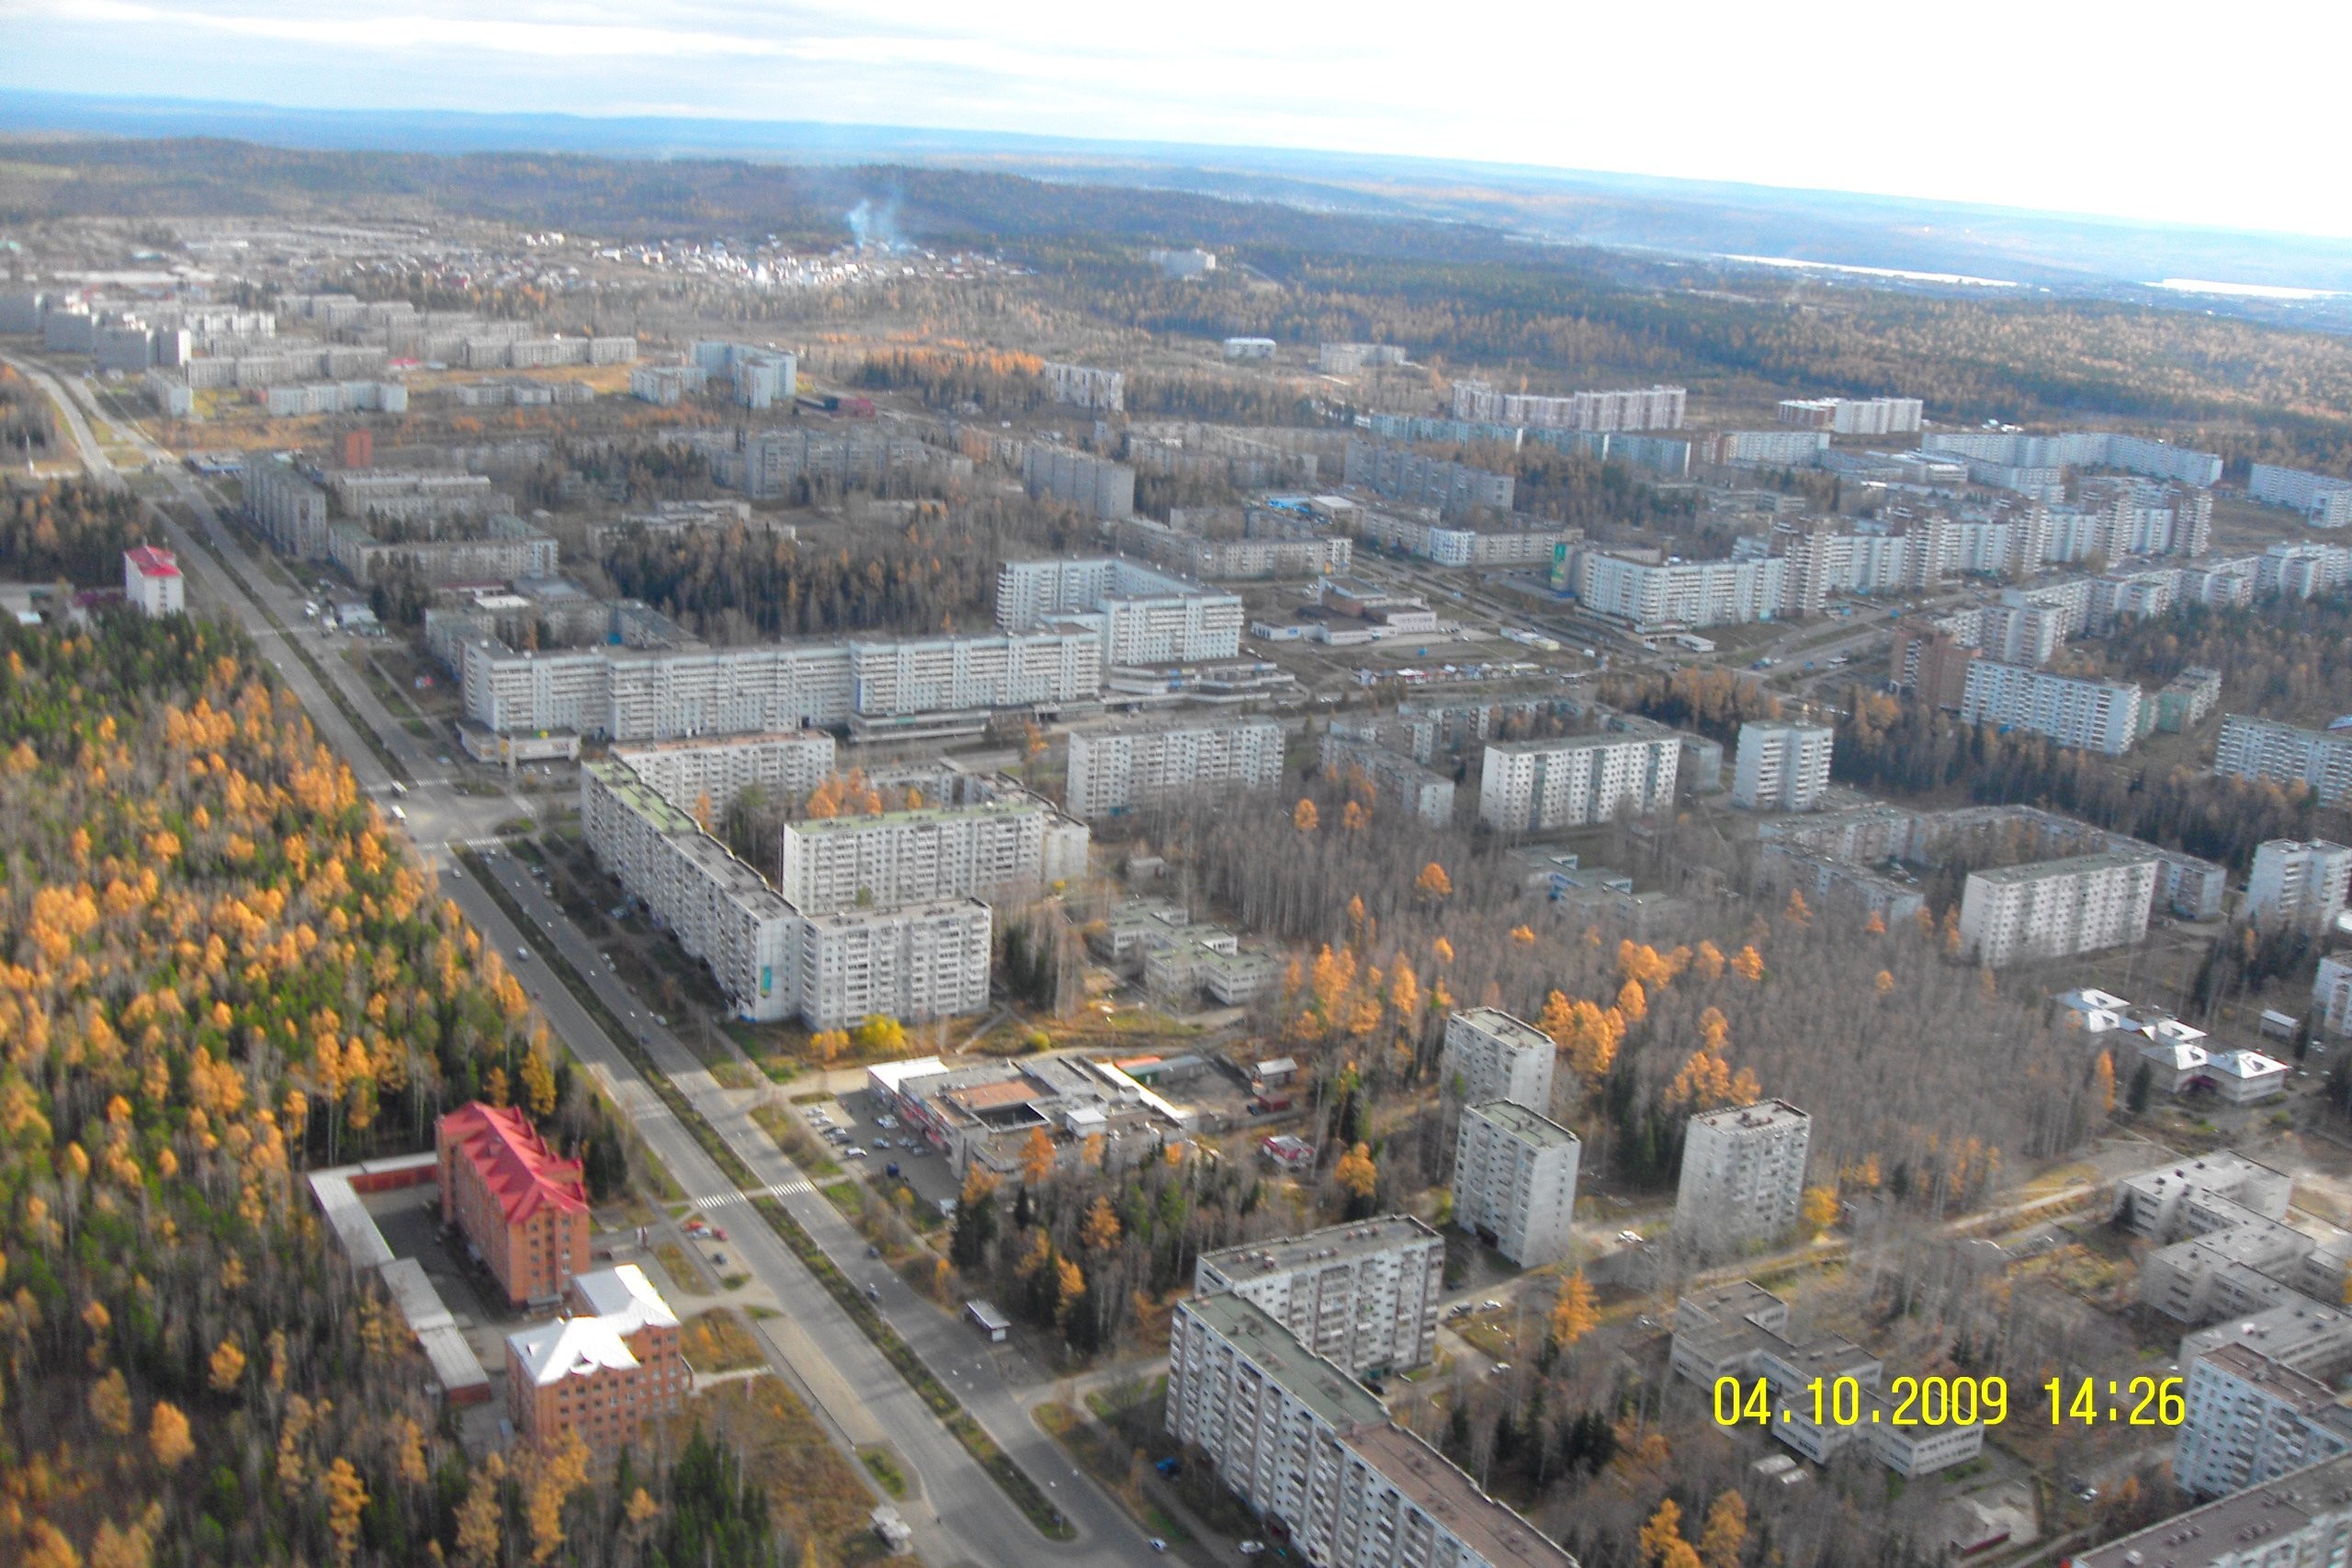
(869, 1141)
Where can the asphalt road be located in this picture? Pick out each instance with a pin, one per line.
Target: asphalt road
(963, 1516)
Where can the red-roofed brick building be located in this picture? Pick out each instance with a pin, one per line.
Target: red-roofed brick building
(524, 1211)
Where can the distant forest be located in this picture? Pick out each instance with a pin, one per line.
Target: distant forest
(1453, 294)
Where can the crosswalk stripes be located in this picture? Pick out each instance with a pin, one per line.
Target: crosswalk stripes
(773, 1190)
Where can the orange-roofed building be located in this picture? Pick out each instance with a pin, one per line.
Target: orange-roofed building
(525, 1212)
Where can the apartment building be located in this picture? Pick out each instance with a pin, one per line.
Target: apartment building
(768, 464)
(1855, 416)
(1441, 545)
(697, 775)
(2254, 748)
(915, 963)
(2298, 884)
(1096, 486)
(1363, 1296)
(397, 496)
(2082, 449)
(627, 693)
(1113, 768)
(1571, 782)
(1782, 766)
(604, 1369)
(1310, 1449)
(152, 580)
(1653, 596)
(1515, 1181)
(2301, 571)
(2186, 698)
(1144, 616)
(1645, 407)
(1765, 448)
(1084, 386)
(2322, 498)
(2093, 715)
(762, 377)
(2058, 907)
(1255, 557)
(1822, 563)
(505, 547)
(1491, 1056)
(1402, 474)
(1397, 780)
(290, 511)
(2252, 1420)
(1742, 1177)
(2301, 1518)
(2332, 993)
(523, 1211)
(999, 849)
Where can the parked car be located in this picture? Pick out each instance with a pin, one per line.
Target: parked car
(1158, 1544)
(891, 1169)
(853, 1152)
(719, 1258)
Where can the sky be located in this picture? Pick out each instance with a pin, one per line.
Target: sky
(2153, 111)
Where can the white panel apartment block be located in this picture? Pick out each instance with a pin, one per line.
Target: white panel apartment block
(1515, 1181)
(1362, 1295)
(1742, 1177)
(2093, 715)
(2298, 884)
(1782, 766)
(685, 772)
(1491, 1056)
(995, 849)
(1528, 785)
(2055, 909)
(1117, 768)
(921, 962)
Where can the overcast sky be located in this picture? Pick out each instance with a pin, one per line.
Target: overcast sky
(2192, 114)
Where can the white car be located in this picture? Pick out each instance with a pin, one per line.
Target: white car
(853, 1152)
(1631, 1238)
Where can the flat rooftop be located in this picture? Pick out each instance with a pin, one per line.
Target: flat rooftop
(1257, 1258)
(849, 919)
(921, 816)
(1453, 1500)
(2219, 1531)
(1763, 1113)
(721, 742)
(1525, 1124)
(1504, 1027)
(2035, 871)
(1315, 1382)
(640, 797)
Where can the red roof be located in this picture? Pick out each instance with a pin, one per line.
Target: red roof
(514, 1161)
(150, 562)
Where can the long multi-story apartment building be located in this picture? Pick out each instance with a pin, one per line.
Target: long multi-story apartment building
(2083, 450)
(2298, 884)
(1515, 1181)
(771, 464)
(508, 548)
(1855, 416)
(1645, 408)
(610, 1364)
(2332, 993)
(1529, 785)
(1363, 1296)
(916, 962)
(1402, 474)
(2250, 1419)
(1663, 596)
(1443, 546)
(395, 496)
(1118, 767)
(695, 775)
(1422, 792)
(625, 694)
(1144, 616)
(2301, 1518)
(1310, 1449)
(290, 510)
(1490, 1056)
(2254, 748)
(522, 1210)
(1742, 1177)
(1010, 848)
(1273, 554)
(1782, 766)
(2324, 498)
(2058, 907)
(2091, 714)
(1096, 486)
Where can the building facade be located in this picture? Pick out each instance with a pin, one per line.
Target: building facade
(1515, 1181)
(152, 580)
(522, 1211)
(2252, 1420)
(2092, 715)
(1782, 766)
(2264, 749)
(1491, 1056)
(1531, 785)
(610, 1364)
(915, 963)
(688, 773)
(2298, 884)
(1742, 1177)
(994, 850)
(2054, 908)
(1363, 1296)
(1116, 768)
(1653, 596)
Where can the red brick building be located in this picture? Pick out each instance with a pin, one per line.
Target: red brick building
(524, 1211)
(602, 1372)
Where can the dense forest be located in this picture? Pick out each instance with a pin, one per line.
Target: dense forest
(218, 968)
(72, 529)
(28, 422)
(738, 585)
(2283, 658)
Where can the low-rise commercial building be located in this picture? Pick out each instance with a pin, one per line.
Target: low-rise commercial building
(1515, 1181)
(2055, 909)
